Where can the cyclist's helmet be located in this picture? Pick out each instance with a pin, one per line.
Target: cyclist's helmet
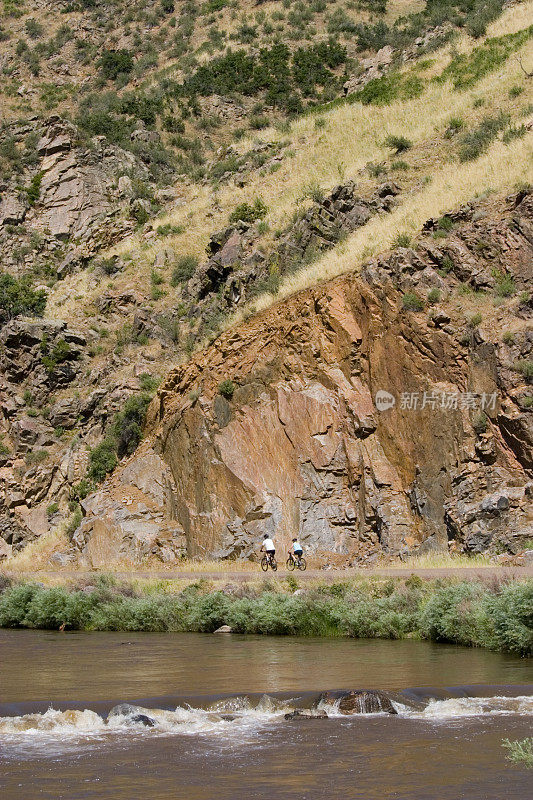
(295, 540)
(265, 536)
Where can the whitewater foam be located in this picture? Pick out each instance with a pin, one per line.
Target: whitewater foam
(234, 717)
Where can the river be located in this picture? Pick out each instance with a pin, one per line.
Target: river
(216, 705)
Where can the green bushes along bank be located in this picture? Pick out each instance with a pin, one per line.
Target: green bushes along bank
(498, 616)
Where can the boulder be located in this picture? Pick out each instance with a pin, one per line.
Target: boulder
(224, 629)
(369, 701)
(135, 715)
(12, 210)
(299, 714)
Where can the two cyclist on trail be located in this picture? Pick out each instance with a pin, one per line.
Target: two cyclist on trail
(295, 553)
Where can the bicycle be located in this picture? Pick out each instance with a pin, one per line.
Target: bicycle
(297, 562)
(269, 561)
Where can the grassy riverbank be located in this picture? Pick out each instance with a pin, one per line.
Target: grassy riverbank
(496, 615)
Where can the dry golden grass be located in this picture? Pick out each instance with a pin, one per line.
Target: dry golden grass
(36, 555)
(444, 561)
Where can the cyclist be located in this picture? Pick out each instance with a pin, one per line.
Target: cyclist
(269, 547)
(296, 550)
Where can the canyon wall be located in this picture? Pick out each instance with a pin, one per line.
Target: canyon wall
(293, 443)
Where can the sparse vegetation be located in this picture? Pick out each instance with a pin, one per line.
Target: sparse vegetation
(184, 269)
(477, 141)
(227, 388)
(411, 302)
(524, 368)
(520, 752)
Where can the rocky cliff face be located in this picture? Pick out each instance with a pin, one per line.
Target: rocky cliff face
(351, 416)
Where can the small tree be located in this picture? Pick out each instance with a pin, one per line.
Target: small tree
(398, 143)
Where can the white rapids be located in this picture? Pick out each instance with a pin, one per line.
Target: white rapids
(232, 717)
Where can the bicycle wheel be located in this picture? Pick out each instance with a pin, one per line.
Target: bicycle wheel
(302, 565)
(290, 563)
(274, 565)
(264, 563)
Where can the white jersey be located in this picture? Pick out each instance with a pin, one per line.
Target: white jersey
(297, 546)
(268, 544)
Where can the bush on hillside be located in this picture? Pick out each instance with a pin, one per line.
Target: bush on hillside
(477, 141)
(398, 143)
(249, 212)
(114, 63)
(102, 459)
(127, 427)
(184, 269)
(17, 296)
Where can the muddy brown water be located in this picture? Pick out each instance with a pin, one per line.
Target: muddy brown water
(455, 705)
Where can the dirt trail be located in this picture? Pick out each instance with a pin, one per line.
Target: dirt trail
(326, 576)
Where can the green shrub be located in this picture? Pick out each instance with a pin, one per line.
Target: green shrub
(227, 388)
(17, 296)
(394, 86)
(475, 320)
(433, 296)
(465, 70)
(148, 383)
(127, 427)
(33, 192)
(60, 352)
(508, 337)
(480, 422)
(52, 509)
(511, 615)
(520, 752)
(399, 165)
(402, 240)
(74, 522)
(504, 284)
(411, 302)
(477, 141)
(258, 122)
(465, 613)
(102, 459)
(525, 368)
(455, 124)
(248, 212)
(457, 614)
(398, 143)
(80, 490)
(114, 63)
(184, 269)
(514, 132)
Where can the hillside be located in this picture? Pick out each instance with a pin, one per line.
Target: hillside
(174, 170)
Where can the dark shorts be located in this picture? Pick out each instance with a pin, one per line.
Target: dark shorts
(298, 553)
(270, 552)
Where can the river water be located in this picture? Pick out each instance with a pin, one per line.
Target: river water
(216, 707)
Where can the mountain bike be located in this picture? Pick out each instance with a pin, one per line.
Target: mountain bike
(269, 561)
(296, 562)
